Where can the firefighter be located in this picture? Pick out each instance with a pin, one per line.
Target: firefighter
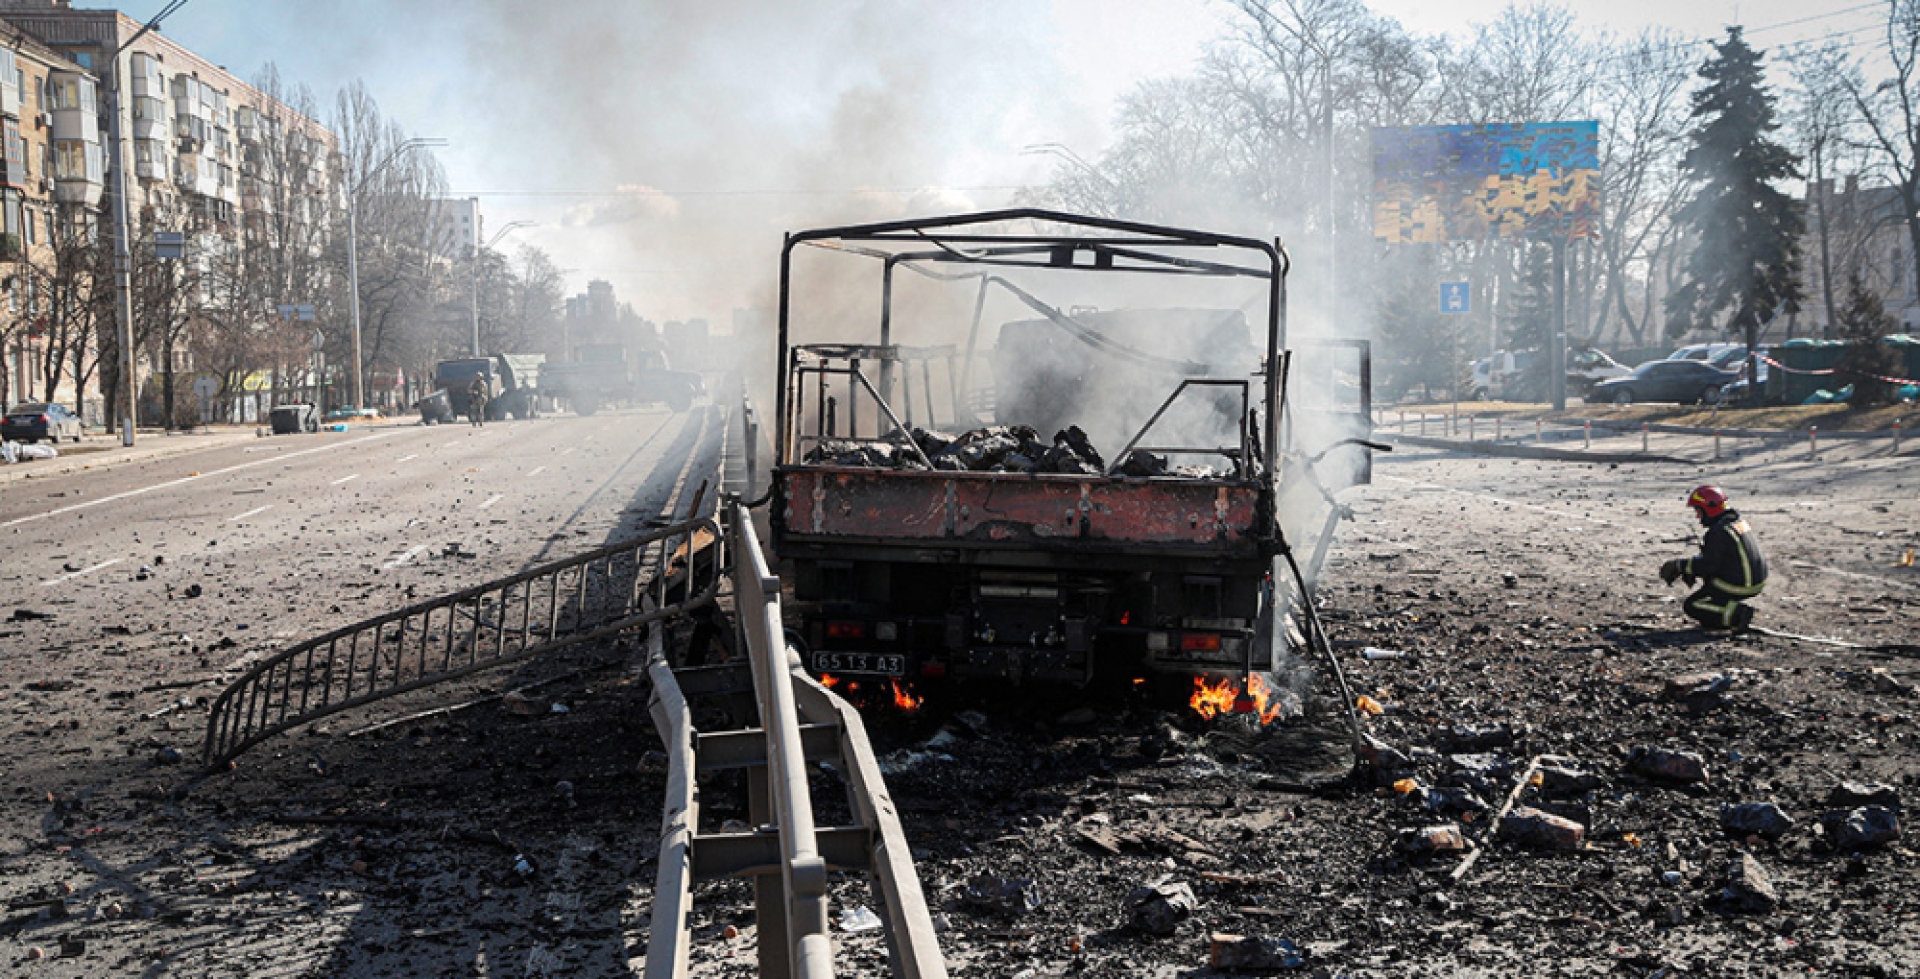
(477, 400)
(1729, 567)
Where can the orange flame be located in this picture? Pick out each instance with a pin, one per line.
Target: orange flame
(1266, 699)
(905, 699)
(1223, 697)
(829, 681)
(1211, 699)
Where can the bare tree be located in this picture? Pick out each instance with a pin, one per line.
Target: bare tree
(1890, 112)
(1641, 97)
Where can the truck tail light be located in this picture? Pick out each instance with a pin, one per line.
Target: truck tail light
(1200, 642)
(44, 419)
(846, 630)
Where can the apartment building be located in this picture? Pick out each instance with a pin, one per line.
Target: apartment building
(206, 152)
(51, 172)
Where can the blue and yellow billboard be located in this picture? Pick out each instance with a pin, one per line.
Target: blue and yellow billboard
(1518, 180)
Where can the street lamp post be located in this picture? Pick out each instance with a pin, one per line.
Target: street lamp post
(353, 256)
(478, 251)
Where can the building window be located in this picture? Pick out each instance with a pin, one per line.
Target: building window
(33, 237)
(69, 159)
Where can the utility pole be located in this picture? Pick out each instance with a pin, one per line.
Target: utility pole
(478, 251)
(122, 247)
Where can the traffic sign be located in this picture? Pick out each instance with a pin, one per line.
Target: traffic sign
(206, 387)
(1456, 297)
(169, 244)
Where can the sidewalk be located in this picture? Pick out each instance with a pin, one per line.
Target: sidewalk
(105, 451)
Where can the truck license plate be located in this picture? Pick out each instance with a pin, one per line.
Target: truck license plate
(886, 664)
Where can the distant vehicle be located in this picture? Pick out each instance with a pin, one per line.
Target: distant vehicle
(513, 383)
(1683, 381)
(1709, 352)
(604, 374)
(40, 420)
(1511, 375)
(349, 413)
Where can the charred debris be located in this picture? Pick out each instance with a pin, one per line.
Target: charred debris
(997, 449)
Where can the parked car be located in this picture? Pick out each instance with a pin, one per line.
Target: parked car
(40, 420)
(1712, 353)
(1683, 381)
(1511, 374)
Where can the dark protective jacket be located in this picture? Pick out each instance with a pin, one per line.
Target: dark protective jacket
(1729, 558)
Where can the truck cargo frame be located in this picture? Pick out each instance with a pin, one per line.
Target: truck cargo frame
(929, 573)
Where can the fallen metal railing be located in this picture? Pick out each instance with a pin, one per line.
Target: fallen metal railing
(559, 604)
(786, 855)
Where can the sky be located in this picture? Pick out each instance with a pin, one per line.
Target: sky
(665, 145)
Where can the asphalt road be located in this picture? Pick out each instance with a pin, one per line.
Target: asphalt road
(128, 594)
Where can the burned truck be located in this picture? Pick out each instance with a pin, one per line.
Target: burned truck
(1072, 491)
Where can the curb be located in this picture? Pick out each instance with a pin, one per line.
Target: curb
(67, 465)
(1532, 451)
(1747, 433)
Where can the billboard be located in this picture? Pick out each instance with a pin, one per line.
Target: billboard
(1517, 180)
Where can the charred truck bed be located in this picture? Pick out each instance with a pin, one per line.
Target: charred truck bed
(994, 553)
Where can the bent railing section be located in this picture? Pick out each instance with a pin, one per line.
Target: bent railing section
(555, 605)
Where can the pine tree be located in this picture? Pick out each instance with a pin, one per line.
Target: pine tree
(1746, 232)
(1526, 320)
(1864, 322)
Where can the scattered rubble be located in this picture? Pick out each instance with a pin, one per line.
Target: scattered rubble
(1663, 763)
(1749, 887)
(1861, 828)
(1532, 827)
(1158, 909)
(1755, 819)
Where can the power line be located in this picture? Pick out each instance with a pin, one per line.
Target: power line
(657, 192)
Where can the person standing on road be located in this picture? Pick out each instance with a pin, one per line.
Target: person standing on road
(477, 400)
(1729, 566)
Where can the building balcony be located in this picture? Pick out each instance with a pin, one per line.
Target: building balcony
(78, 191)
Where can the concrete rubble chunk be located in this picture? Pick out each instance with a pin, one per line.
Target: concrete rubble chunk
(1861, 828)
(1749, 887)
(1756, 819)
(1566, 780)
(1668, 764)
(1434, 839)
(1531, 827)
(1449, 800)
(1158, 909)
(1695, 686)
(1251, 953)
(1848, 795)
(1007, 895)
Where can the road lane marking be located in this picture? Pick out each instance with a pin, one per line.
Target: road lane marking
(566, 450)
(76, 574)
(184, 479)
(256, 510)
(407, 458)
(537, 470)
(412, 552)
(491, 500)
(346, 479)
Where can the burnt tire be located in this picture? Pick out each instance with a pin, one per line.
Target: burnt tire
(680, 400)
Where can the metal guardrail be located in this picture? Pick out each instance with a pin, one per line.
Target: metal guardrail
(607, 590)
(787, 856)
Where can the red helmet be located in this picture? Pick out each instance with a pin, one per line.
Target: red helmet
(1708, 502)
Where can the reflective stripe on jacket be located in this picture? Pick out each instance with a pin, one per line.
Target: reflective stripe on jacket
(1729, 557)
